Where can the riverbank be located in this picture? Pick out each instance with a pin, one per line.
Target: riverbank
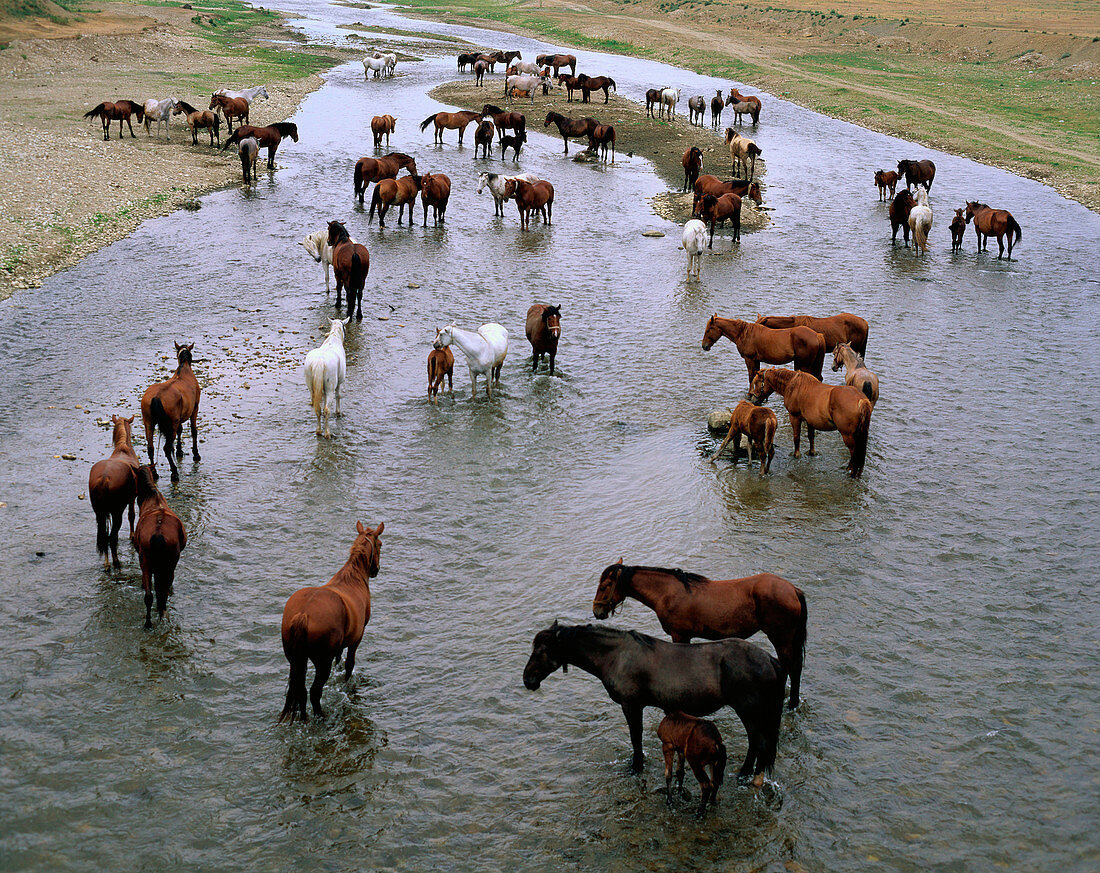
(65, 191)
(1009, 87)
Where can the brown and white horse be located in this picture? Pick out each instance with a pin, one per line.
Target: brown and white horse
(198, 119)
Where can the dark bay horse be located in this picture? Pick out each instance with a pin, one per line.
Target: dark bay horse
(230, 107)
(394, 192)
(698, 741)
(449, 121)
(693, 163)
(159, 538)
(958, 229)
(369, 170)
(167, 405)
(588, 84)
(717, 104)
(992, 222)
(571, 83)
(119, 111)
(483, 138)
(435, 191)
(350, 264)
(112, 488)
(602, 138)
(570, 127)
(267, 137)
(900, 207)
(321, 622)
(758, 344)
(708, 184)
(917, 173)
(513, 120)
(715, 210)
(697, 679)
(840, 328)
(652, 98)
(543, 330)
(823, 407)
(557, 62)
(382, 125)
(689, 606)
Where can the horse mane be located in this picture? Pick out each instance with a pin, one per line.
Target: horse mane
(285, 128)
(187, 107)
(134, 106)
(688, 580)
(146, 484)
(491, 109)
(399, 155)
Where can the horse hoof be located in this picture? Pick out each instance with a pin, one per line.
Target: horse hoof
(195, 455)
(175, 477)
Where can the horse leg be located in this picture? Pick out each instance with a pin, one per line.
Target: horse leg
(194, 435)
(116, 523)
(168, 455)
(179, 440)
(1001, 245)
(705, 787)
(633, 715)
(810, 433)
(147, 587)
(670, 754)
(796, 428)
(553, 354)
(163, 585)
(349, 662)
(322, 669)
(473, 380)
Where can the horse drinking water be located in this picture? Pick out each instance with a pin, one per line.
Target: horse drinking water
(112, 488)
(325, 369)
(167, 405)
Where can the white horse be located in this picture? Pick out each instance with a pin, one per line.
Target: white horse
(920, 222)
(484, 350)
(325, 368)
(248, 94)
(525, 83)
(158, 111)
(376, 66)
(317, 245)
(669, 98)
(695, 240)
(495, 183)
(521, 67)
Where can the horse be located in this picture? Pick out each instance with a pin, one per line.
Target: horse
(840, 328)
(112, 487)
(652, 98)
(856, 373)
(758, 424)
(886, 181)
(694, 239)
(483, 138)
(449, 121)
(435, 191)
(390, 60)
(716, 106)
(669, 98)
(199, 118)
(530, 197)
(758, 344)
(248, 150)
(917, 173)
(369, 170)
(958, 229)
(570, 127)
(382, 125)
(822, 407)
(699, 742)
(496, 185)
(485, 350)
(742, 149)
(319, 623)
(900, 207)
(515, 143)
(736, 97)
(515, 121)
(717, 209)
(992, 222)
(159, 537)
(389, 192)
(159, 111)
(481, 67)
(317, 245)
(230, 108)
(697, 108)
(602, 138)
(571, 83)
(350, 263)
(708, 184)
(377, 66)
(557, 62)
(441, 362)
(693, 163)
(588, 84)
(543, 330)
(325, 368)
(466, 59)
(509, 56)
(639, 671)
(490, 59)
(249, 94)
(526, 84)
(167, 405)
(520, 69)
(268, 137)
(119, 111)
(920, 222)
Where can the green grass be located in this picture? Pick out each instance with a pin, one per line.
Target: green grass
(12, 258)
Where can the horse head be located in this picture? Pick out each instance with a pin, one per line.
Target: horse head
(972, 207)
(760, 390)
(183, 353)
(336, 232)
(839, 355)
(444, 336)
(545, 658)
(754, 193)
(551, 317)
(367, 544)
(146, 483)
(712, 331)
(609, 593)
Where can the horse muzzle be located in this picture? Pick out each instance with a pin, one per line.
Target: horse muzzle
(531, 683)
(706, 346)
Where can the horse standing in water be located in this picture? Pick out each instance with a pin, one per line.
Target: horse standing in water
(840, 328)
(449, 121)
(856, 373)
(369, 170)
(483, 138)
(602, 138)
(958, 229)
(484, 349)
(756, 343)
(268, 137)
(900, 207)
(159, 538)
(758, 424)
(699, 742)
(350, 263)
(435, 191)
(249, 151)
(325, 369)
(737, 97)
(441, 363)
(886, 181)
(119, 111)
(917, 173)
(382, 125)
(570, 127)
(717, 104)
(992, 222)
(531, 197)
(694, 240)
(112, 487)
(167, 405)
(715, 210)
(402, 192)
(742, 151)
(543, 330)
(639, 671)
(920, 222)
(321, 622)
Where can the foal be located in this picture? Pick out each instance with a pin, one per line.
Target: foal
(159, 538)
(758, 424)
(441, 362)
(957, 228)
(698, 740)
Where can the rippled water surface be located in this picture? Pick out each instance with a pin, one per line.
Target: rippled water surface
(950, 716)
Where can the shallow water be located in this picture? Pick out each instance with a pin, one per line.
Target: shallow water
(950, 685)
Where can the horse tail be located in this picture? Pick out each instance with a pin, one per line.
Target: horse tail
(357, 180)
(357, 271)
(799, 649)
(920, 235)
(863, 427)
(424, 124)
(102, 537)
(769, 437)
(720, 765)
(93, 113)
(315, 380)
(1014, 225)
(161, 420)
(375, 200)
(613, 88)
(295, 641)
(868, 389)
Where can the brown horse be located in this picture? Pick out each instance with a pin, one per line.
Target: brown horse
(992, 222)
(840, 328)
(449, 121)
(514, 120)
(543, 332)
(917, 173)
(267, 137)
(693, 163)
(167, 405)
(602, 138)
(571, 83)
(715, 210)
(588, 84)
(900, 207)
(957, 228)
(435, 191)
(321, 622)
(717, 104)
(886, 180)
(441, 362)
(369, 170)
(112, 487)
(481, 67)
(822, 407)
(382, 125)
(350, 264)
(689, 606)
(249, 151)
(557, 62)
(483, 138)
(737, 97)
(531, 197)
(394, 192)
(570, 127)
(159, 538)
(119, 111)
(708, 184)
(758, 424)
(230, 107)
(699, 742)
(198, 119)
(756, 344)
(652, 98)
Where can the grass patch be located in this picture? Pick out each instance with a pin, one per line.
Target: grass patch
(397, 31)
(12, 258)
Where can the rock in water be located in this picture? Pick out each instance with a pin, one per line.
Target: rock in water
(719, 420)
(656, 234)
(585, 157)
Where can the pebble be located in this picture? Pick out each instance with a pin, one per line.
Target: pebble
(652, 233)
(413, 285)
(67, 457)
(719, 419)
(383, 318)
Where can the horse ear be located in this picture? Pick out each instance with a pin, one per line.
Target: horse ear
(359, 527)
(381, 527)
(177, 345)
(346, 320)
(619, 561)
(190, 346)
(130, 419)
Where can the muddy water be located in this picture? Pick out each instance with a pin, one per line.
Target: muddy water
(950, 686)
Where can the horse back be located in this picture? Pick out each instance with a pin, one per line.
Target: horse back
(112, 481)
(331, 620)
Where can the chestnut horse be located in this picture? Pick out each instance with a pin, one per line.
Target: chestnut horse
(758, 424)
(570, 127)
(717, 104)
(602, 138)
(708, 184)
(756, 344)
(369, 170)
(652, 98)
(159, 537)
(483, 138)
(267, 137)
(822, 407)
(571, 83)
(435, 191)
(958, 229)
(886, 180)
(737, 97)
(531, 197)
(557, 62)
(900, 207)
(715, 210)
(588, 84)
(112, 487)
(394, 192)
(449, 121)
(382, 125)
(693, 163)
(992, 222)
(840, 328)
(441, 362)
(319, 623)
(543, 331)
(119, 111)
(917, 173)
(230, 107)
(696, 740)
(690, 606)
(167, 405)
(197, 119)
(350, 264)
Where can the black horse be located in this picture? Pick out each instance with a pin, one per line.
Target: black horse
(696, 678)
